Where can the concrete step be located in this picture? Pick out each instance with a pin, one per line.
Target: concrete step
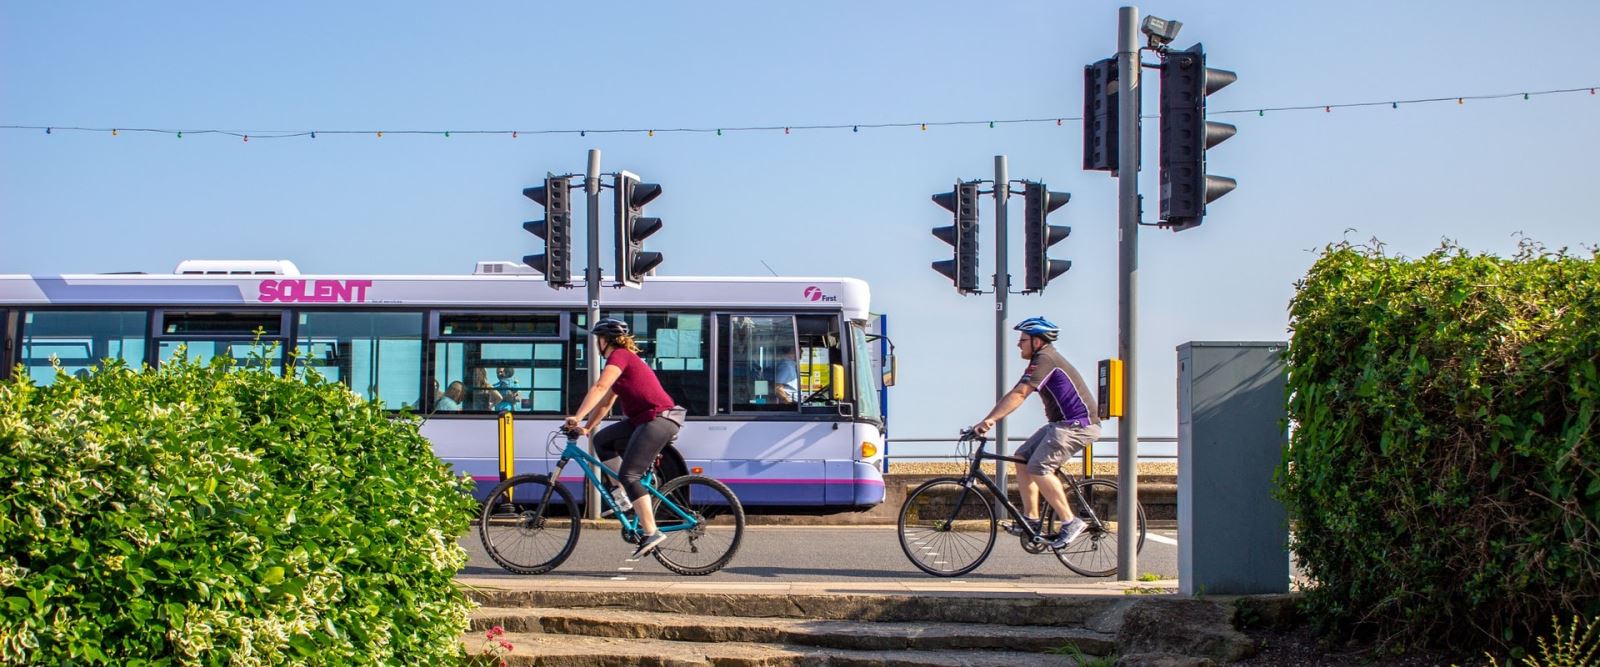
(578, 651)
(1100, 613)
(852, 635)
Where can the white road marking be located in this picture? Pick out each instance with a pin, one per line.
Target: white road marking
(1156, 537)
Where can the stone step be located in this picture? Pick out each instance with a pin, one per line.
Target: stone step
(853, 635)
(1095, 612)
(578, 651)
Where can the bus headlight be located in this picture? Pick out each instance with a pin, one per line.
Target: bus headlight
(868, 450)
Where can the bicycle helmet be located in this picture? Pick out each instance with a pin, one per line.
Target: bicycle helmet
(1040, 327)
(609, 327)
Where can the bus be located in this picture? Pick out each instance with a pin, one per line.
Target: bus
(782, 379)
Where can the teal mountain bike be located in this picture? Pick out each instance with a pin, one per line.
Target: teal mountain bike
(530, 523)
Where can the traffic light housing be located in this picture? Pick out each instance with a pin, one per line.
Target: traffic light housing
(1100, 116)
(962, 268)
(1186, 135)
(1038, 203)
(633, 263)
(556, 230)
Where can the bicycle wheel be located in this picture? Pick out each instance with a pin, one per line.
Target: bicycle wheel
(523, 531)
(1094, 553)
(719, 525)
(946, 529)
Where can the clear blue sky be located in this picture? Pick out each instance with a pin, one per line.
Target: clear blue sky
(810, 203)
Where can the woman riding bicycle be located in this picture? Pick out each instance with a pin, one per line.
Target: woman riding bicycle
(652, 420)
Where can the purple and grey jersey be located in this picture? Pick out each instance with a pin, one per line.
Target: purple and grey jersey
(1061, 388)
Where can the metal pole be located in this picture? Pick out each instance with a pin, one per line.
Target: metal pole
(1128, 92)
(591, 282)
(1002, 287)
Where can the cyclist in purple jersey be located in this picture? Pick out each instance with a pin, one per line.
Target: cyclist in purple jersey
(1074, 424)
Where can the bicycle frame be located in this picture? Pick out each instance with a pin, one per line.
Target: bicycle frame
(975, 472)
(588, 465)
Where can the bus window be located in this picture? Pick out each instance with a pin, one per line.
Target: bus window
(79, 341)
(760, 364)
(677, 347)
(208, 334)
(504, 362)
(822, 379)
(377, 355)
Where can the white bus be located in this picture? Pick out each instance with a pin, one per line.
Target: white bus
(462, 349)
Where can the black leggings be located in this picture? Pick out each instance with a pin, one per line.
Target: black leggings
(638, 447)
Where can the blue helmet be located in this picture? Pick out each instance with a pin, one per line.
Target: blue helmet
(1038, 326)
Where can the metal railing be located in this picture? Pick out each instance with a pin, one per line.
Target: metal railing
(1089, 454)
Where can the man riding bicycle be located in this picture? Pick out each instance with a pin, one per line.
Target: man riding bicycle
(1074, 423)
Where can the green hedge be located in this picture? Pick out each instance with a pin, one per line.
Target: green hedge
(1443, 471)
(209, 515)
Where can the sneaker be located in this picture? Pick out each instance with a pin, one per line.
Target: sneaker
(648, 544)
(1015, 528)
(1069, 532)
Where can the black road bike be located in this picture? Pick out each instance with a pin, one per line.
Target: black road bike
(948, 525)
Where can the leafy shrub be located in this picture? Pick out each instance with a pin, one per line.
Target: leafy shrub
(1443, 470)
(209, 515)
(1578, 645)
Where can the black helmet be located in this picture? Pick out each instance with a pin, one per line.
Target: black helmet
(609, 327)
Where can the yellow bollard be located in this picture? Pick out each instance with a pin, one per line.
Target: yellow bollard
(508, 464)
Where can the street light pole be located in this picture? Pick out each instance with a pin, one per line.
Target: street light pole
(1002, 288)
(591, 282)
(1128, 92)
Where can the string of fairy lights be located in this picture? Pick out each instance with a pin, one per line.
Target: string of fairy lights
(923, 126)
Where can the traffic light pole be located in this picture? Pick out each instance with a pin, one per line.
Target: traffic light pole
(591, 282)
(1002, 288)
(1128, 92)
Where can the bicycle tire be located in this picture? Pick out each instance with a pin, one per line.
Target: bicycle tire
(512, 521)
(932, 542)
(1094, 552)
(718, 533)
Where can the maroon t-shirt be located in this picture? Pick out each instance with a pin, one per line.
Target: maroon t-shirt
(638, 390)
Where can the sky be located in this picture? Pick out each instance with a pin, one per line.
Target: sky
(1482, 174)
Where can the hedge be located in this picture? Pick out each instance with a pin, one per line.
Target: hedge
(1443, 472)
(211, 515)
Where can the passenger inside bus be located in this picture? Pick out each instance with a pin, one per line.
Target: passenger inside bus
(484, 395)
(451, 399)
(786, 378)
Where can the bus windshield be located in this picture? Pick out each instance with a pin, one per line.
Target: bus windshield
(866, 379)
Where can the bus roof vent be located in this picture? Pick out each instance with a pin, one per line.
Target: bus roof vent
(506, 268)
(237, 267)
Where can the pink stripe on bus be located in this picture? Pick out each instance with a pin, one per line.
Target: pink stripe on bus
(728, 480)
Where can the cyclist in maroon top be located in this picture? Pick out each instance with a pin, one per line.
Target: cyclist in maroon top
(652, 420)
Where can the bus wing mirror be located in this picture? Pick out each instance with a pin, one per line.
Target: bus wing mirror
(888, 372)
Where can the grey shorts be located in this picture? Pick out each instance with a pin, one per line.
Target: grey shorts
(1054, 444)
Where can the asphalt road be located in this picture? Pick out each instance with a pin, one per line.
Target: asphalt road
(777, 554)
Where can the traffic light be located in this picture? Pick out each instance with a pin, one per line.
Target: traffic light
(633, 263)
(1038, 202)
(1100, 116)
(555, 229)
(1186, 135)
(963, 235)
